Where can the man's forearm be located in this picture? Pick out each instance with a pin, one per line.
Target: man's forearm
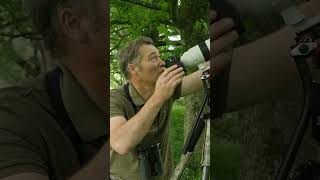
(264, 69)
(192, 83)
(97, 168)
(132, 132)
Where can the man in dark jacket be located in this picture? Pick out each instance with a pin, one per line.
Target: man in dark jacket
(55, 127)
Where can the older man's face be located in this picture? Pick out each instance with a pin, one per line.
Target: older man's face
(150, 65)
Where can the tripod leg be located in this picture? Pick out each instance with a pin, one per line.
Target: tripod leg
(206, 173)
(206, 154)
(183, 162)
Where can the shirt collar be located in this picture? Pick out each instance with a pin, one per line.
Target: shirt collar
(135, 96)
(89, 121)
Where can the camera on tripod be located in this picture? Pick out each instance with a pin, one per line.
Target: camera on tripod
(194, 56)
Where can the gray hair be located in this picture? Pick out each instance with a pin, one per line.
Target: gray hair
(131, 54)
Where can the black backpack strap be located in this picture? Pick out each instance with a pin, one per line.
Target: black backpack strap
(126, 90)
(62, 117)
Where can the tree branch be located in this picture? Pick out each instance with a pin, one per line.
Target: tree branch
(117, 45)
(118, 29)
(173, 9)
(27, 35)
(173, 43)
(166, 22)
(13, 22)
(120, 34)
(9, 7)
(119, 22)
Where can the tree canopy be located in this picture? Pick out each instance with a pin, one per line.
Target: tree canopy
(19, 43)
(174, 26)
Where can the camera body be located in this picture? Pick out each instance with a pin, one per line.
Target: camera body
(174, 60)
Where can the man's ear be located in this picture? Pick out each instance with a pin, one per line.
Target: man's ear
(73, 25)
(132, 69)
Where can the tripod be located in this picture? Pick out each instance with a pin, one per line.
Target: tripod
(308, 36)
(202, 121)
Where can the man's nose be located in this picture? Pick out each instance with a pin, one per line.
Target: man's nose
(162, 63)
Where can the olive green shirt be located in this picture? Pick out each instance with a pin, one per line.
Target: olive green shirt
(32, 141)
(127, 166)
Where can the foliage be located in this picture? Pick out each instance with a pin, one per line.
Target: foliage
(226, 158)
(174, 26)
(16, 36)
(166, 22)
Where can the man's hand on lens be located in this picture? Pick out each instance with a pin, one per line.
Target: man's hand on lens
(168, 81)
(222, 37)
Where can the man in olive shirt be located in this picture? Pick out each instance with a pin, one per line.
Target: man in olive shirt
(34, 144)
(144, 120)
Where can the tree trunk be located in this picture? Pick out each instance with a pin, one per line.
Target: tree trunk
(266, 132)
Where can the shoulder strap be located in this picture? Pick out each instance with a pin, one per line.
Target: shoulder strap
(62, 117)
(126, 90)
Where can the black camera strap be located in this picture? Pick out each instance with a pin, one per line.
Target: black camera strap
(62, 117)
(126, 90)
(204, 50)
